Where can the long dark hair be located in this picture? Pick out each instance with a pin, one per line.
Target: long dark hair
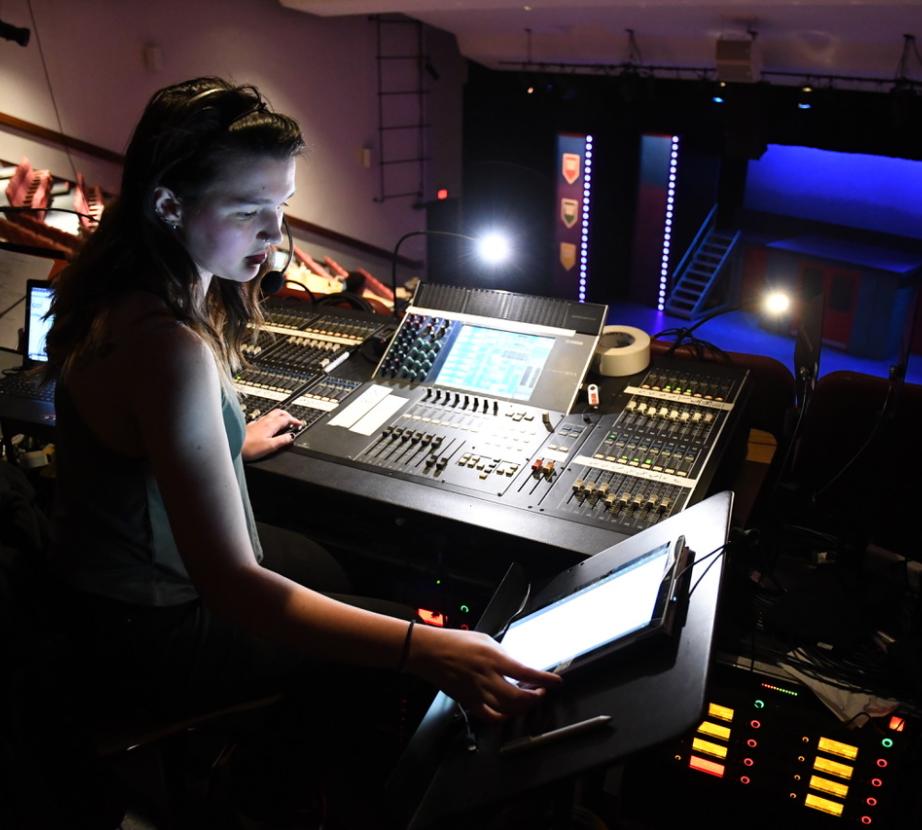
(187, 134)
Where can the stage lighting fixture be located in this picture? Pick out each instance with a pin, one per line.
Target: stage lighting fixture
(493, 248)
(776, 303)
(772, 304)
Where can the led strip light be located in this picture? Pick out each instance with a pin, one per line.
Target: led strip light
(584, 232)
(667, 226)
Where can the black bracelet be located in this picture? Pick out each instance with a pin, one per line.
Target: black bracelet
(406, 648)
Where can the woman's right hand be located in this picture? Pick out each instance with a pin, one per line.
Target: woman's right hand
(472, 668)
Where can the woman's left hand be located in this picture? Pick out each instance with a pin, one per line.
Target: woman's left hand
(268, 433)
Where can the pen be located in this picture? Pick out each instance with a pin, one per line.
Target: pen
(339, 360)
(530, 741)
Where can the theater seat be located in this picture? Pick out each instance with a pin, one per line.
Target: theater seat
(858, 465)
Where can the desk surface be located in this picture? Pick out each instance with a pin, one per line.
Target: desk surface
(651, 696)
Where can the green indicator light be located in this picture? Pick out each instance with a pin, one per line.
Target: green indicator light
(887, 742)
(759, 704)
(438, 582)
(772, 688)
(464, 609)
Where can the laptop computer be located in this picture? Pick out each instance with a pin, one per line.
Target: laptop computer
(24, 396)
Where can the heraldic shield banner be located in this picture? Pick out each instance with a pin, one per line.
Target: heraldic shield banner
(568, 225)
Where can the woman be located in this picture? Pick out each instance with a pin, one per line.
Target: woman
(154, 531)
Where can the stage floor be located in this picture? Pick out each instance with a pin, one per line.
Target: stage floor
(738, 331)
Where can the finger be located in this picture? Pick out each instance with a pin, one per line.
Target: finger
(513, 699)
(284, 439)
(534, 677)
(486, 713)
(289, 420)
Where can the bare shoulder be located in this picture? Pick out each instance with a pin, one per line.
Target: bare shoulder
(144, 329)
(161, 359)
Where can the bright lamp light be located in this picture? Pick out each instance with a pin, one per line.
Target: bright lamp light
(776, 303)
(493, 248)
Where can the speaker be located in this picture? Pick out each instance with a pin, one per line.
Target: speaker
(737, 60)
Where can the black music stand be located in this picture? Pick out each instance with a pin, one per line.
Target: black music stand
(651, 695)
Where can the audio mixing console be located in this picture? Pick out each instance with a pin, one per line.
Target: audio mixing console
(295, 352)
(474, 399)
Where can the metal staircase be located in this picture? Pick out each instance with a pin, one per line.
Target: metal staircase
(699, 271)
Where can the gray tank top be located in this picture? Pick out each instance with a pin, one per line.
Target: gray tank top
(111, 532)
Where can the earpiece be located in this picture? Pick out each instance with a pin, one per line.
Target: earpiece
(273, 281)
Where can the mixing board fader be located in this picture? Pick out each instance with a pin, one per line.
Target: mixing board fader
(646, 461)
(292, 356)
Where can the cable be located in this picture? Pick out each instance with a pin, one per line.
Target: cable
(875, 429)
(700, 348)
(302, 287)
(54, 103)
(469, 736)
(525, 597)
(704, 558)
(792, 441)
(711, 565)
(18, 209)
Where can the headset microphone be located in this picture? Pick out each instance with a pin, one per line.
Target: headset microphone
(273, 281)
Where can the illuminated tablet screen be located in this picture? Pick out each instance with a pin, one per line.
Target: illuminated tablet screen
(603, 612)
(494, 362)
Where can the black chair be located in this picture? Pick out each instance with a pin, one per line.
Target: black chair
(66, 761)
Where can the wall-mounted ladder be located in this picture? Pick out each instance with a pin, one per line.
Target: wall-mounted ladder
(402, 126)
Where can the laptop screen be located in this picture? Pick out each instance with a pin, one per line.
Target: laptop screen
(38, 297)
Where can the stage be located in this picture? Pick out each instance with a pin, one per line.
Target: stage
(739, 331)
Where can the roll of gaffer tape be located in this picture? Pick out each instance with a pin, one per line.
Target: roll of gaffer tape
(622, 351)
